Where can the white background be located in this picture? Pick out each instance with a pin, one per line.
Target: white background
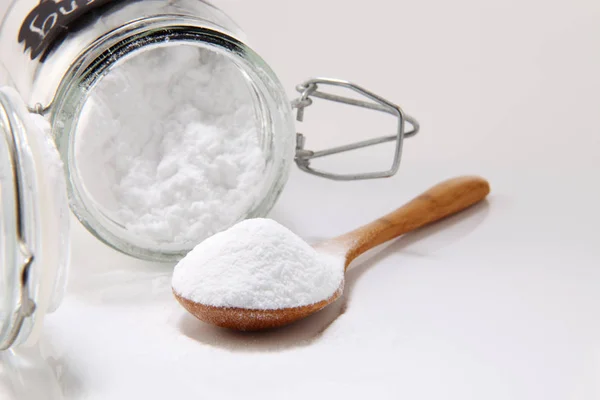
(502, 302)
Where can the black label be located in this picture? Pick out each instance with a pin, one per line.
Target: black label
(51, 20)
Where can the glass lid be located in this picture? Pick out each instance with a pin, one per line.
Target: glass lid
(33, 223)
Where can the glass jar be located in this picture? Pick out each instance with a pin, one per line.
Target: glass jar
(34, 245)
(58, 73)
(109, 77)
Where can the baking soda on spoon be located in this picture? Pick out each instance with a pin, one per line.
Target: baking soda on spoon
(259, 275)
(260, 265)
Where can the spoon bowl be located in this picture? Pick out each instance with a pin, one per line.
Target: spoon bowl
(439, 202)
(243, 319)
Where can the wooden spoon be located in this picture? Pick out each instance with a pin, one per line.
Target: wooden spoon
(441, 201)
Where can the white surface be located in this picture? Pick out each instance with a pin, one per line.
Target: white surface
(502, 302)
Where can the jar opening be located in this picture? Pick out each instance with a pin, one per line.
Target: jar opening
(172, 141)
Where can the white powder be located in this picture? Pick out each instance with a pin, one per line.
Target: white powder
(257, 264)
(168, 145)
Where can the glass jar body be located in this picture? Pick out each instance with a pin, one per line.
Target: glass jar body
(66, 72)
(35, 225)
(37, 78)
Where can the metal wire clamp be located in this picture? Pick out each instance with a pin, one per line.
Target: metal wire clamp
(310, 89)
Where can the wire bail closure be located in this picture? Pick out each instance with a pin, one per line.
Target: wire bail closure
(310, 89)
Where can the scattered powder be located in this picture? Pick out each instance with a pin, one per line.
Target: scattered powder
(168, 145)
(257, 264)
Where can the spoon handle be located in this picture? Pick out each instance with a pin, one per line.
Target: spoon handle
(441, 201)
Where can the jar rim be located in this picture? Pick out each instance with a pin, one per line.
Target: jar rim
(105, 53)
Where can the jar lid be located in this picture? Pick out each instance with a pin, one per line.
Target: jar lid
(33, 224)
